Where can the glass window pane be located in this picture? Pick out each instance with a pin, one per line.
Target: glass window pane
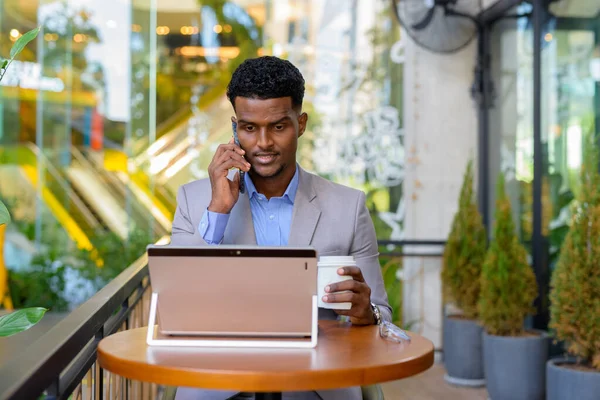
(511, 119)
(569, 114)
(69, 115)
(350, 54)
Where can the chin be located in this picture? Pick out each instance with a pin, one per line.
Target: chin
(268, 171)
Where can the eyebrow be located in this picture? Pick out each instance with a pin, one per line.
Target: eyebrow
(286, 118)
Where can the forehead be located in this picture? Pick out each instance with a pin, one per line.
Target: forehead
(256, 110)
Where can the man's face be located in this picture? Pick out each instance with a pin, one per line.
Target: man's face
(268, 131)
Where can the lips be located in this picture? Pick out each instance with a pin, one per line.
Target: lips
(265, 159)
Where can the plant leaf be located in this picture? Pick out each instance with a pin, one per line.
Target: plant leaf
(4, 215)
(20, 320)
(23, 41)
(3, 63)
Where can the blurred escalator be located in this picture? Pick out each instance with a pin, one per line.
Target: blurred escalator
(87, 195)
(180, 155)
(116, 201)
(72, 211)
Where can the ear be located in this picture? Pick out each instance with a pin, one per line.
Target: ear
(302, 120)
(233, 119)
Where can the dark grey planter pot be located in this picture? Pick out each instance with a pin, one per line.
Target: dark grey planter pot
(515, 367)
(463, 357)
(566, 384)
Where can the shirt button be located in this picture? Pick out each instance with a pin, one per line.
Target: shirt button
(271, 217)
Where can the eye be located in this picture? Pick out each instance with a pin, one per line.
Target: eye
(249, 128)
(279, 127)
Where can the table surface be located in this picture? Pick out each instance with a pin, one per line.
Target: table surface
(345, 356)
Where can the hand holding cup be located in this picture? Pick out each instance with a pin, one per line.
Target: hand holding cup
(342, 288)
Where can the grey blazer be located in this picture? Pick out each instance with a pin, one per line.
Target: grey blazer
(330, 217)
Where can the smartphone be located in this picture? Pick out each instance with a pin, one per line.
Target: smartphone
(237, 141)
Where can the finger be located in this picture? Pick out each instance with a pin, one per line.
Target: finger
(356, 316)
(230, 163)
(355, 311)
(351, 285)
(347, 313)
(229, 156)
(354, 272)
(346, 297)
(222, 167)
(223, 148)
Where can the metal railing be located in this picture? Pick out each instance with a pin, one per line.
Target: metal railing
(62, 363)
(418, 264)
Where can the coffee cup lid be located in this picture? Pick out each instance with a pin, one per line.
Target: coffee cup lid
(336, 259)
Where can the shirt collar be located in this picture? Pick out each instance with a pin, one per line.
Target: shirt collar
(290, 192)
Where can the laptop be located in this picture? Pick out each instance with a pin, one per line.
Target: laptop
(234, 291)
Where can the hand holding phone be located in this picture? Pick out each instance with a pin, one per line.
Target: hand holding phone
(237, 142)
(226, 192)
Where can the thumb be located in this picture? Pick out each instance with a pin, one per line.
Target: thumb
(235, 183)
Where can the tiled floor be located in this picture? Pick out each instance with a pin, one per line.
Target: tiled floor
(430, 385)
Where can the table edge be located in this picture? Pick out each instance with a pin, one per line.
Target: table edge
(272, 381)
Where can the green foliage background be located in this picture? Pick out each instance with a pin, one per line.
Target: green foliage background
(43, 283)
(575, 284)
(508, 285)
(465, 251)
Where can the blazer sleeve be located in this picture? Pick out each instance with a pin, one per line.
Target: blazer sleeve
(183, 232)
(366, 253)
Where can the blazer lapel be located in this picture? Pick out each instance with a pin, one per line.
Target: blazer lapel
(240, 229)
(306, 212)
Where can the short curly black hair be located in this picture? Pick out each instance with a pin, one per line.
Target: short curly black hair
(267, 77)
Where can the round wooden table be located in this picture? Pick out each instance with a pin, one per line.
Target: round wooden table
(345, 356)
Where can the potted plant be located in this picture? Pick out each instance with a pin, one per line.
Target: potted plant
(461, 270)
(514, 359)
(575, 295)
(24, 319)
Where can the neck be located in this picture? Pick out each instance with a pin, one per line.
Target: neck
(274, 186)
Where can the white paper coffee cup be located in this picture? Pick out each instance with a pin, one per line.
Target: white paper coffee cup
(327, 274)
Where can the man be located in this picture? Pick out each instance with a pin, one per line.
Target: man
(282, 204)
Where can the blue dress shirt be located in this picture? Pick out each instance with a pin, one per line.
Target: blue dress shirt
(272, 218)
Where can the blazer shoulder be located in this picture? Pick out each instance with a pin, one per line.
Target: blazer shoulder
(331, 189)
(197, 187)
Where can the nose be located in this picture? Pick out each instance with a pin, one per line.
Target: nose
(265, 141)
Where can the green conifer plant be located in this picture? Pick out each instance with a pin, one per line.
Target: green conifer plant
(508, 285)
(575, 283)
(465, 251)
